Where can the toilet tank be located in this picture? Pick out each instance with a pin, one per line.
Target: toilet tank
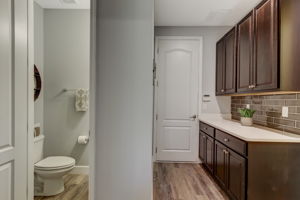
(38, 148)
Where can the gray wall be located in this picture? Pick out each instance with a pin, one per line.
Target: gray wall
(210, 36)
(39, 61)
(124, 100)
(66, 43)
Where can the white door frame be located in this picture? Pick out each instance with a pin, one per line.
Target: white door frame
(93, 44)
(30, 106)
(30, 92)
(200, 70)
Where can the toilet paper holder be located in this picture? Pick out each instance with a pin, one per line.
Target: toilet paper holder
(83, 139)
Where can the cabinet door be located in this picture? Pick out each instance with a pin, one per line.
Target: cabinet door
(220, 68)
(202, 147)
(266, 46)
(245, 53)
(220, 164)
(230, 62)
(236, 176)
(210, 153)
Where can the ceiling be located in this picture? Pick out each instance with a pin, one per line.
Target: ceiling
(201, 12)
(64, 4)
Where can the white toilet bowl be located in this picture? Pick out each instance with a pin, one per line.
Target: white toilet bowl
(49, 174)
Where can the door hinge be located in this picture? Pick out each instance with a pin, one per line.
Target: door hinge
(154, 65)
(156, 116)
(154, 72)
(157, 50)
(155, 149)
(156, 83)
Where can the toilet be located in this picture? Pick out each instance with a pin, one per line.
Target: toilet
(49, 171)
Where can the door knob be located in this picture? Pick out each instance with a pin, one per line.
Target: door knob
(193, 117)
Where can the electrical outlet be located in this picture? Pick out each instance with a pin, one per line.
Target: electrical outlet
(248, 106)
(285, 111)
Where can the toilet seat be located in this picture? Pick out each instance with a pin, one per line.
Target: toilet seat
(55, 163)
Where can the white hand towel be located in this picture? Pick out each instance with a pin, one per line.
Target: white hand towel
(81, 100)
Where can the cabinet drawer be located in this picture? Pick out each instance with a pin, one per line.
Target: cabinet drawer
(207, 129)
(232, 142)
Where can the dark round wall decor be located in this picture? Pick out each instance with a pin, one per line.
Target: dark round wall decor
(37, 83)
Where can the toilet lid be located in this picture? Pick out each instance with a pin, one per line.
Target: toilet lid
(55, 162)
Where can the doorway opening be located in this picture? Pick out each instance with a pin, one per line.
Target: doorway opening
(61, 145)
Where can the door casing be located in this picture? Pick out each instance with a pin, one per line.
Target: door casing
(30, 106)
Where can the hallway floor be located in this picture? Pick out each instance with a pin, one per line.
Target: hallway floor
(184, 182)
(76, 188)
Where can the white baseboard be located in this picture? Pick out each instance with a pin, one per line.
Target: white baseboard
(80, 170)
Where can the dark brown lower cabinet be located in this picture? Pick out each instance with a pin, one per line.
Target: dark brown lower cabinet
(210, 153)
(230, 171)
(236, 175)
(252, 170)
(202, 147)
(206, 151)
(220, 164)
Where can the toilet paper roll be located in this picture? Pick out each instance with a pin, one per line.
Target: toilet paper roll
(83, 139)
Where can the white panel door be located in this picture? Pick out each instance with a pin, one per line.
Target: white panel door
(13, 99)
(177, 98)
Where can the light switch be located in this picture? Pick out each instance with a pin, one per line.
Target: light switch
(285, 111)
(248, 106)
(206, 98)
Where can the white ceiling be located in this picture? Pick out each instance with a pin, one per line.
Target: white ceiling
(64, 4)
(201, 12)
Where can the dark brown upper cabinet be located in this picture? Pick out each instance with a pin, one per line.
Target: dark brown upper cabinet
(245, 32)
(220, 68)
(265, 71)
(230, 62)
(289, 45)
(257, 49)
(267, 51)
(226, 64)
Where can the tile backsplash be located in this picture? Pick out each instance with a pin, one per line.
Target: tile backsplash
(269, 110)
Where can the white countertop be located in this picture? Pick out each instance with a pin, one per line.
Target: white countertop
(249, 134)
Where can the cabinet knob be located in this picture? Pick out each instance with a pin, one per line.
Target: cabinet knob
(222, 90)
(226, 140)
(225, 151)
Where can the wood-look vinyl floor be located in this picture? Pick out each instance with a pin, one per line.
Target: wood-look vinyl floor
(174, 181)
(76, 188)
